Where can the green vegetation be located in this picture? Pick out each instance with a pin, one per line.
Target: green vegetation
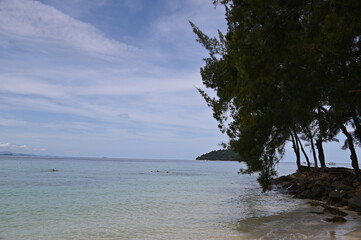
(222, 155)
(285, 71)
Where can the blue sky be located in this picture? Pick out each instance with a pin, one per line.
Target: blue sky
(113, 78)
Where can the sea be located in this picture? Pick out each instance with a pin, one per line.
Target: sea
(105, 198)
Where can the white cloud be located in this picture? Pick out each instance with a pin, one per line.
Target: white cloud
(34, 20)
(11, 122)
(4, 144)
(15, 147)
(139, 85)
(9, 145)
(22, 85)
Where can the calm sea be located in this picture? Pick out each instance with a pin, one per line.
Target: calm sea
(147, 199)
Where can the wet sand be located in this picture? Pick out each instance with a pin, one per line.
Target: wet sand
(355, 234)
(301, 224)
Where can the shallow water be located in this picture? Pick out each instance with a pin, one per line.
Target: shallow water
(129, 199)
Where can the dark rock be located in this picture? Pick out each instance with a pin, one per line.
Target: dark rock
(317, 191)
(351, 194)
(281, 179)
(286, 185)
(325, 176)
(358, 189)
(334, 211)
(341, 186)
(316, 204)
(320, 213)
(355, 202)
(356, 183)
(306, 194)
(336, 195)
(341, 204)
(335, 219)
(357, 193)
(321, 183)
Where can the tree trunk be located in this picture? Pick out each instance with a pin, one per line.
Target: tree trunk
(321, 155)
(353, 156)
(313, 152)
(312, 147)
(296, 149)
(303, 151)
(357, 124)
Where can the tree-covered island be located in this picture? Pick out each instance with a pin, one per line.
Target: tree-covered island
(288, 72)
(220, 155)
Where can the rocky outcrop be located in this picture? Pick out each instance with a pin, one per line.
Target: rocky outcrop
(338, 187)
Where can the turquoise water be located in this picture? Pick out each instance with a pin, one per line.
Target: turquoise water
(138, 199)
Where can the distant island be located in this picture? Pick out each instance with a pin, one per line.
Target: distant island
(7, 153)
(220, 155)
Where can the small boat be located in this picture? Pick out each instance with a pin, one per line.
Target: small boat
(331, 163)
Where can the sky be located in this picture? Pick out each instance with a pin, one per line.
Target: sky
(113, 78)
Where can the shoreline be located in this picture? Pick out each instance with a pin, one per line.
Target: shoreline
(335, 191)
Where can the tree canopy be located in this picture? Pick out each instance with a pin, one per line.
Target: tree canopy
(285, 71)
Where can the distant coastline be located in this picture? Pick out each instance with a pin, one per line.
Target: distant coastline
(7, 153)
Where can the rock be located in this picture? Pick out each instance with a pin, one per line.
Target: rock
(357, 193)
(358, 189)
(286, 185)
(306, 194)
(335, 219)
(336, 195)
(340, 186)
(316, 204)
(321, 183)
(319, 213)
(341, 204)
(282, 179)
(351, 194)
(356, 183)
(317, 191)
(334, 211)
(325, 175)
(355, 202)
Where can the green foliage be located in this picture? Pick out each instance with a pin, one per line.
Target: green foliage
(222, 155)
(284, 67)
